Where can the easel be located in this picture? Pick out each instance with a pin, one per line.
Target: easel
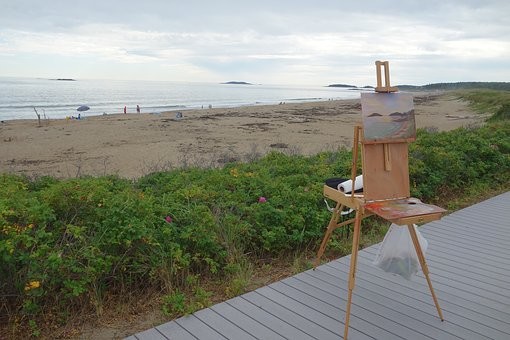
(386, 193)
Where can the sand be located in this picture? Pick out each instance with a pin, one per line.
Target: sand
(134, 145)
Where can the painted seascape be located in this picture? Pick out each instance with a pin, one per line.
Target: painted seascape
(388, 117)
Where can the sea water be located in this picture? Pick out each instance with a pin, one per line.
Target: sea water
(60, 98)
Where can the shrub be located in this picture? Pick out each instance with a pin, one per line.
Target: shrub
(67, 243)
(443, 163)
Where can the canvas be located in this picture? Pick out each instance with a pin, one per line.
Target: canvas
(388, 117)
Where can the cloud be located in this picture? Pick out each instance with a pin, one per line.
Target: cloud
(296, 41)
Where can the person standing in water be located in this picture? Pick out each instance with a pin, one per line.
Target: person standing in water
(137, 108)
(125, 109)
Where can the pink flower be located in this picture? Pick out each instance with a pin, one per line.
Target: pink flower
(168, 219)
(262, 199)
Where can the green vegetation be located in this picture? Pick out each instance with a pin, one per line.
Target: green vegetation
(446, 164)
(66, 245)
(496, 103)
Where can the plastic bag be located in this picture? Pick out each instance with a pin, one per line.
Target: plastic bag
(397, 254)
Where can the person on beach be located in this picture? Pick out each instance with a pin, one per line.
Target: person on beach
(137, 108)
(125, 109)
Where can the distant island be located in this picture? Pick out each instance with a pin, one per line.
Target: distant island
(341, 85)
(64, 79)
(350, 87)
(237, 83)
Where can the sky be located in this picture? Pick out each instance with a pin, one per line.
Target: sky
(265, 42)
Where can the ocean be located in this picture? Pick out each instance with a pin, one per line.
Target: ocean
(59, 98)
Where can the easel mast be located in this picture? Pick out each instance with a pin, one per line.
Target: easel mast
(386, 88)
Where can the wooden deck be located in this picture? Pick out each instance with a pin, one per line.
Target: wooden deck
(469, 261)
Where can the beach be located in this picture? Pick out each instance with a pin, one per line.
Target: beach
(134, 145)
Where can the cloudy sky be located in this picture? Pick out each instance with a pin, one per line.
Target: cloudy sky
(269, 42)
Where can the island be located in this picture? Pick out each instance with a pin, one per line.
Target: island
(341, 85)
(351, 87)
(237, 83)
(64, 79)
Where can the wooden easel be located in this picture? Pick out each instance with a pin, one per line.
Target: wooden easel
(385, 193)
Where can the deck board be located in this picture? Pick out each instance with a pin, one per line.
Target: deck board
(465, 283)
(174, 331)
(383, 316)
(452, 298)
(267, 319)
(469, 262)
(465, 318)
(300, 316)
(198, 328)
(406, 311)
(252, 326)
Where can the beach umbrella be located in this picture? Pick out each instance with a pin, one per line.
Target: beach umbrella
(83, 108)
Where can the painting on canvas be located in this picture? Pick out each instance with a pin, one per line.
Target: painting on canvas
(388, 117)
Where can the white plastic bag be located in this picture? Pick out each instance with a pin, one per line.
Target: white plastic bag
(397, 254)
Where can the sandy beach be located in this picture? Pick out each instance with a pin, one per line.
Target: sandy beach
(133, 145)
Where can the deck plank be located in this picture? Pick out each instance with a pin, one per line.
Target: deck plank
(250, 325)
(469, 261)
(467, 241)
(383, 316)
(451, 296)
(321, 289)
(278, 325)
(291, 316)
(329, 317)
(222, 325)
(473, 320)
(173, 330)
(198, 328)
(151, 334)
(464, 282)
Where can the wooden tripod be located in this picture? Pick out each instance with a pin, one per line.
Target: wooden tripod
(385, 193)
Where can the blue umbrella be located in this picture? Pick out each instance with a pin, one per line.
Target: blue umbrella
(83, 108)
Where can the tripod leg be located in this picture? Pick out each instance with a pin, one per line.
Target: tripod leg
(331, 226)
(352, 269)
(424, 267)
